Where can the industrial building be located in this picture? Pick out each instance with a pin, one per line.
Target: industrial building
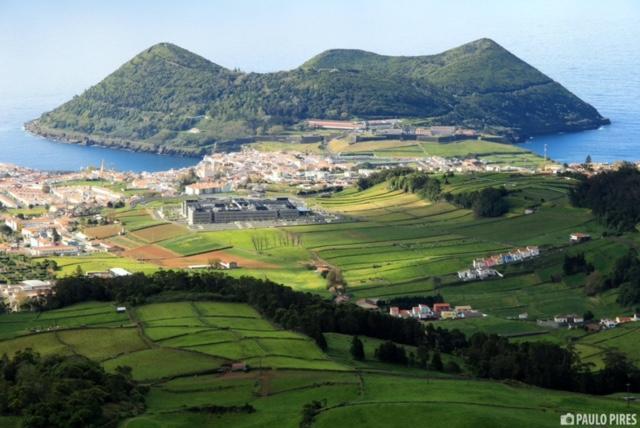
(213, 210)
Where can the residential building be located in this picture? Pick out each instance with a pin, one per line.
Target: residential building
(17, 294)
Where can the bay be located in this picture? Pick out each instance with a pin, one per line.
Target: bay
(24, 149)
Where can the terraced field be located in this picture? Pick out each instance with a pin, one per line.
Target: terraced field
(177, 348)
(230, 332)
(394, 243)
(625, 338)
(400, 242)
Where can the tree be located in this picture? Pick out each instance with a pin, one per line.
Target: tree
(357, 349)
(436, 362)
(56, 235)
(309, 412)
(576, 264)
(65, 391)
(320, 340)
(335, 278)
(612, 196)
(422, 356)
(452, 367)
(79, 272)
(595, 283)
(588, 316)
(490, 202)
(437, 282)
(587, 161)
(389, 352)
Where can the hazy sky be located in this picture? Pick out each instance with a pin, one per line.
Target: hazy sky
(62, 47)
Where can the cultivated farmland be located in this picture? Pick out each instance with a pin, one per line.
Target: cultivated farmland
(177, 349)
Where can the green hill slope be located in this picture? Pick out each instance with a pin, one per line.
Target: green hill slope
(154, 101)
(177, 348)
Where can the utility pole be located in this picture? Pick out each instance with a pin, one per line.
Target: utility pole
(544, 165)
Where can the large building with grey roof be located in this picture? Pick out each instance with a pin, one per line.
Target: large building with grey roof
(228, 210)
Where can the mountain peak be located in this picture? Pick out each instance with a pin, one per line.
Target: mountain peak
(174, 54)
(338, 58)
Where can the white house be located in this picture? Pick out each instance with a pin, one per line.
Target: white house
(115, 272)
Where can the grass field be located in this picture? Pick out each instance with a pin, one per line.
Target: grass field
(400, 242)
(393, 243)
(278, 146)
(176, 349)
(396, 244)
(100, 262)
(160, 232)
(624, 338)
(494, 153)
(134, 219)
(231, 332)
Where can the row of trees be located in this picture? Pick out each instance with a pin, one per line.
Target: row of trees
(420, 183)
(548, 365)
(264, 242)
(378, 177)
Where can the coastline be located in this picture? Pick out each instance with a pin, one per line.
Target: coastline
(569, 130)
(66, 137)
(76, 138)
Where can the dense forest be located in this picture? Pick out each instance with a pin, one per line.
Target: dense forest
(166, 91)
(538, 363)
(612, 196)
(625, 276)
(66, 391)
(488, 202)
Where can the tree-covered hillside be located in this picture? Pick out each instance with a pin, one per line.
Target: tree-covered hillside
(169, 99)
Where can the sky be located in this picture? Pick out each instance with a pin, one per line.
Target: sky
(64, 46)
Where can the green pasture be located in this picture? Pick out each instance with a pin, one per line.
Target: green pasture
(180, 364)
(99, 263)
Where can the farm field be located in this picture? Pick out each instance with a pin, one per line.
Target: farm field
(394, 243)
(624, 338)
(495, 153)
(102, 232)
(100, 262)
(399, 243)
(163, 339)
(86, 314)
(134, 219)
(176, 348)
(230, 332)
(160, 232)
(264, 253)
(279, 146)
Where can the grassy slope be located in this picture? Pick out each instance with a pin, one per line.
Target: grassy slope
(171, 349)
